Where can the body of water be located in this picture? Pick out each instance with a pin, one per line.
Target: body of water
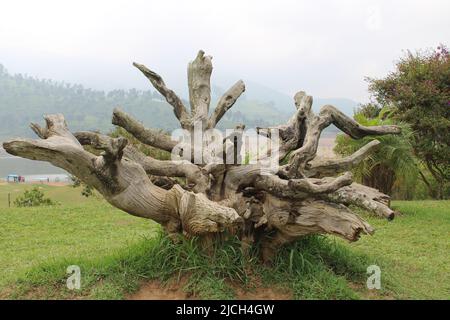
(33, 171)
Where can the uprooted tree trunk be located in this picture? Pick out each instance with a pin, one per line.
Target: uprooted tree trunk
(305, 195)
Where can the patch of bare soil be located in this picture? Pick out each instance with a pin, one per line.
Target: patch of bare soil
(372, 294)
(32, 294)
(156, 290)
(259, 291)
(39, 293)
(263, 293)
(173, 290)
(5, 293)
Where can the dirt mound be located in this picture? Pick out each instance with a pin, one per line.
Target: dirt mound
(263, 294)
(156, 290)
(173, 290)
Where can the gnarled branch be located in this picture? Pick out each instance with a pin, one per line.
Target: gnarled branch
(226, 102)
(199, 75)
(316, 124)
(122, 182)
(152, 166)
(178, 107)
(319, 168)
(151, 137)
(364, 197)
(300, 188)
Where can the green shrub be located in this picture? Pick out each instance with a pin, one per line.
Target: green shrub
(87, 190)
(33, 198)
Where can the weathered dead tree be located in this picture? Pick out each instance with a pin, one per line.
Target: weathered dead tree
(305, 195)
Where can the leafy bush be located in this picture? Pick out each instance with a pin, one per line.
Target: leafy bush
(419, 92)
(33, 198)
(87, 190)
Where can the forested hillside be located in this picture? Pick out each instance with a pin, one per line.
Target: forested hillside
(25, 99)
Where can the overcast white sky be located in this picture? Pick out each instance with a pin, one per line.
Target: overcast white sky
(323, 47)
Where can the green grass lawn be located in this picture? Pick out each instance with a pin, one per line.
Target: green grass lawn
(413, 249)
(78, 227)
(65, 195)
(116, 252)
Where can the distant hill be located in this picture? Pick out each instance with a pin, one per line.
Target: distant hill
(25, 99)
(285, 104)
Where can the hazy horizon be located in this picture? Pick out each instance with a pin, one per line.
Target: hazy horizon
(325, 48)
